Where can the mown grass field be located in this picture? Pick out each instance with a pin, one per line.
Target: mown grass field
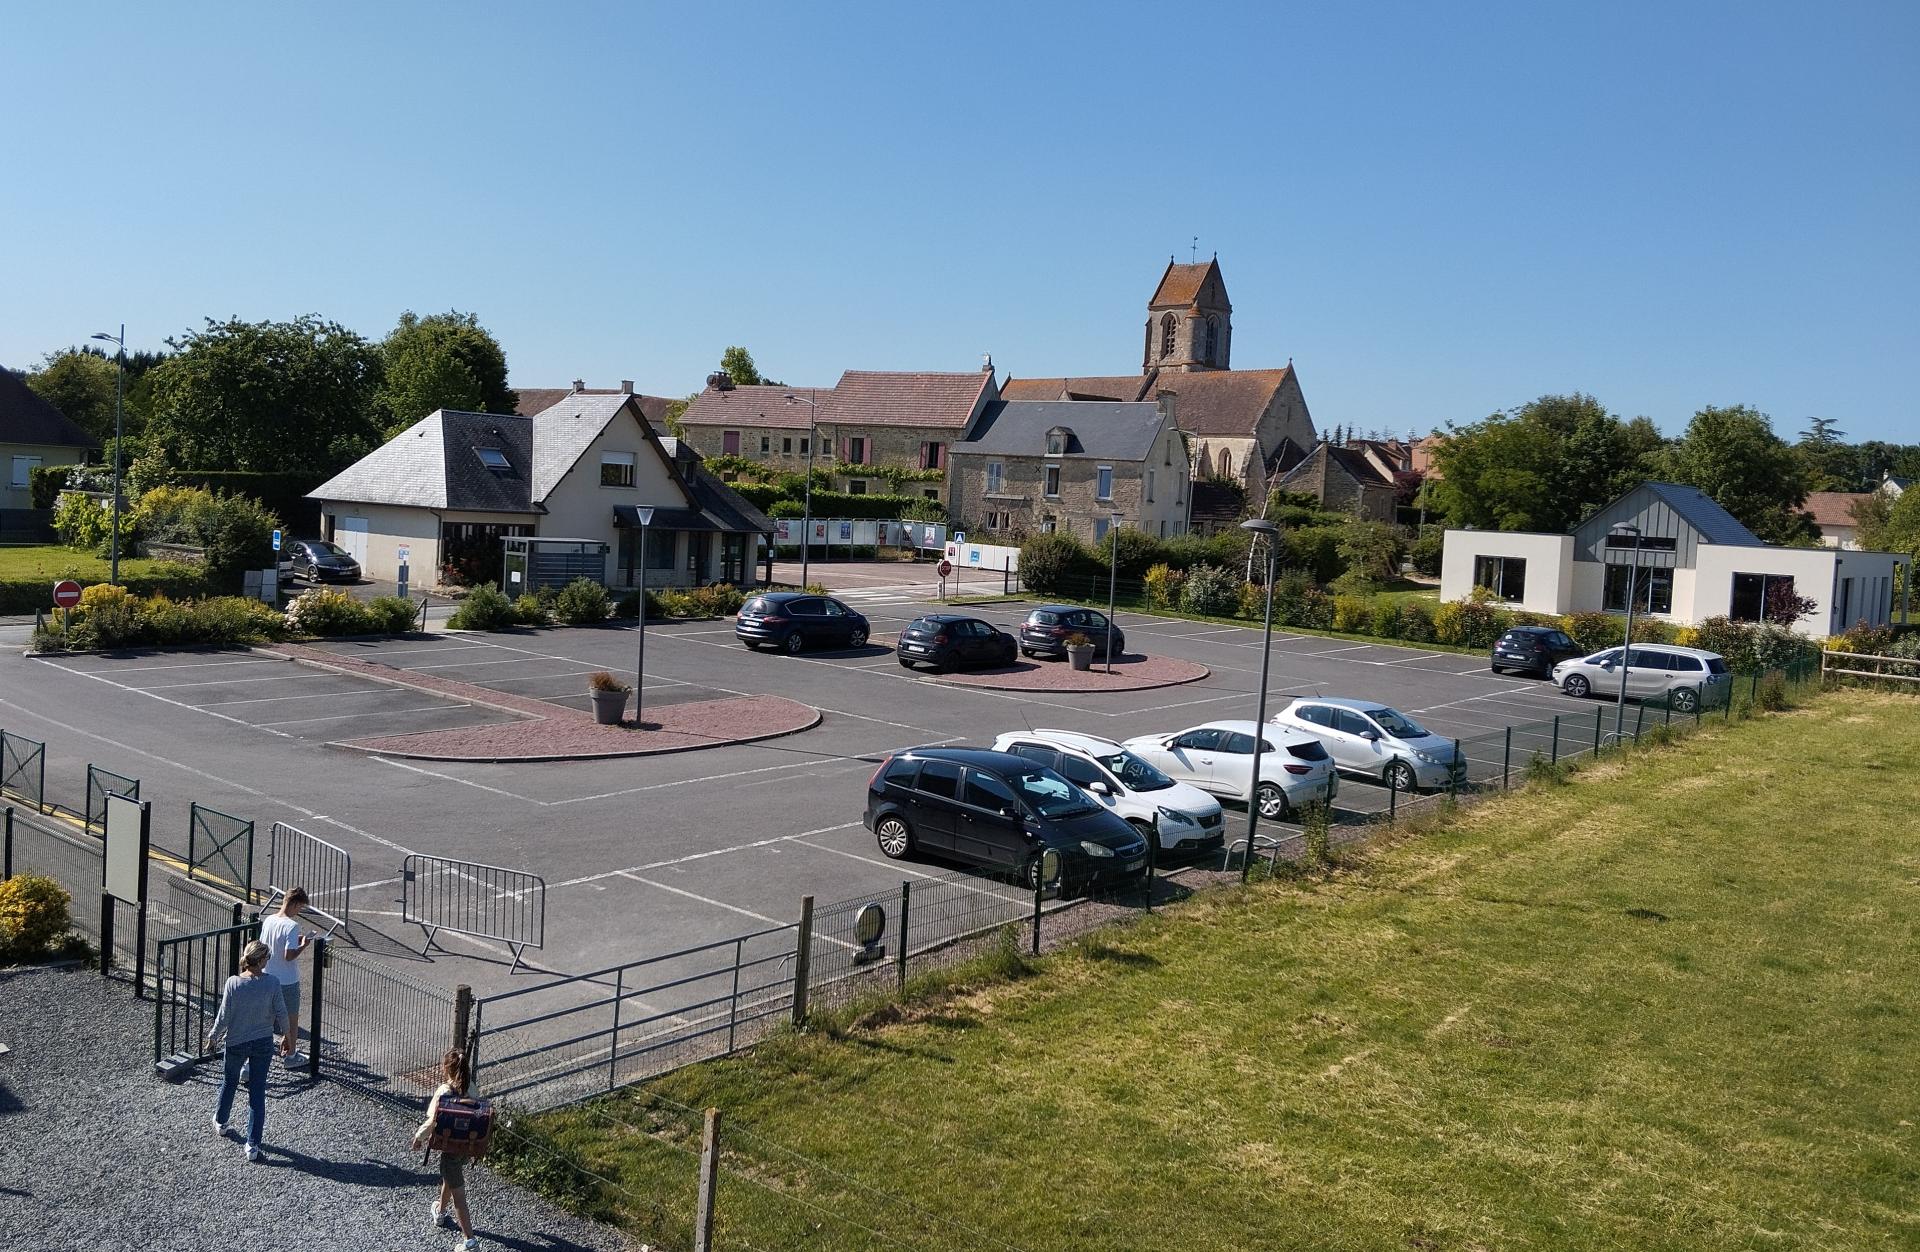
(52, 562)
(1672, 1005)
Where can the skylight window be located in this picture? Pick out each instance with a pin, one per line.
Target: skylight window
(495, 460)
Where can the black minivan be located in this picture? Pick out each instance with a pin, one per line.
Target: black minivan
(998, 811)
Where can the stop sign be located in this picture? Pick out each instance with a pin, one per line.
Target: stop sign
(66, 593)
(945, 568)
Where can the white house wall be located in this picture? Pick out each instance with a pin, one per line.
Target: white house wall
(1818, 573)
(389, 527)
(1550, 566)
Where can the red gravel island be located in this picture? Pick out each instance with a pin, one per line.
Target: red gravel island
(1131, 672)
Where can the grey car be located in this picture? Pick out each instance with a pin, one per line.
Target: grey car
(1685, 678)
(1368, 739)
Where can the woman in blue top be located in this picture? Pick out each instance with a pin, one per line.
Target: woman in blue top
(252, 1012)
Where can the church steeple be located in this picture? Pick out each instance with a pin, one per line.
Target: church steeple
(1189, 320)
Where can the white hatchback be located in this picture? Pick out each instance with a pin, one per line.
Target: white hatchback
(1295, 770)
(1177, 817)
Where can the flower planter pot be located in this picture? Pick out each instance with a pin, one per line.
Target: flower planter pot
(1082, 658)
(610, 707)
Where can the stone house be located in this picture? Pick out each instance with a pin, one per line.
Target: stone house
(450, 487)
(1243, 425)
(32, 433)
(1833, 514)
(905, 419)
(534, 400)
(1344, 480)
(1068, 466)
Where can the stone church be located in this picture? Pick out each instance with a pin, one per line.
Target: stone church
(1247, 426)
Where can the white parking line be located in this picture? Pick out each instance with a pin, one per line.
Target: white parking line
(218, 682)
(179, 704)
(377, 654)
(698, 856)
(140, 669)
(898, 868)
(382, 690)
(340, 717)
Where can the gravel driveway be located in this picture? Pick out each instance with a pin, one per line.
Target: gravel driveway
(97, 1153)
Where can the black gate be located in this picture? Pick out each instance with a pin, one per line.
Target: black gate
(188, 976)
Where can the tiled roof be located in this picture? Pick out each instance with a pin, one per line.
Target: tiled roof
(1181, 284)
(1100, 431)
(753, 406)
(921, 398)
(1834, 508)
(1212, 402)
(539, 399)
(27, 418)
(1702, 512)
(1349, 461)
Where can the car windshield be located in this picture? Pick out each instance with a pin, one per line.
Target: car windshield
(329, 549)
(1399, 725)
(1135, 774)
(1050, 795)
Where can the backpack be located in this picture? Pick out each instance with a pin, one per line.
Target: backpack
(462, 1126)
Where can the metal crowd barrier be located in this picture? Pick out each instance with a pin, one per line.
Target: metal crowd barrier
(298, 859)
(484, 901)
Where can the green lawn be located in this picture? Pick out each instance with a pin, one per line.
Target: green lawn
(1672, 1005)
(51, 562)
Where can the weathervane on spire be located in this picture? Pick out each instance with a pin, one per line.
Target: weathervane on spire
(1193, 253)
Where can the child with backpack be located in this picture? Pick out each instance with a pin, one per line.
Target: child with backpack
(459, 1126)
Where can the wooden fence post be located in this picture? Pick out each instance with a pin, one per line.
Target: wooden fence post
(802, 960)
(709, 1182)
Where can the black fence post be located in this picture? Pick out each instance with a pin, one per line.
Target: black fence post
(802, 960)
(1596, 732)
(1153, 846)
(1556, 739)
(1454, 771)
(462, 1014)
(1506, 760)
(1669, 703)
(906, 929)
(1039, 889)
(1393, 795)
(322, 948)
(6, 870)
(1639, 721)
(106, 933)
(613, 1040)
(1699, 703)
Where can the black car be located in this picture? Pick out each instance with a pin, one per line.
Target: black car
(1000, 811)
(795, 619)
(1534, 649)
(945, 640)
(1047, 629)
(318, 561)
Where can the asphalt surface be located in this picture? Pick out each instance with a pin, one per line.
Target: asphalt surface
(100, 1155)
(649, 855)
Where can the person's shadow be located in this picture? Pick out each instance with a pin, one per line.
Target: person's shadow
(363, 1173)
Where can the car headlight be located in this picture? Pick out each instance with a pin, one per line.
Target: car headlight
(1095, 849)
(1177, 817)
(1429, 757)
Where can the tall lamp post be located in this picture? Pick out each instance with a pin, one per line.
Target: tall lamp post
(1626, 646)
(1260, 528)
(119, 436)
(645, 514)
(806, 520)
(1113, 571)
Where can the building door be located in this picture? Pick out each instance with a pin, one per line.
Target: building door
(730, 443)
(351, 534)
(733, 559)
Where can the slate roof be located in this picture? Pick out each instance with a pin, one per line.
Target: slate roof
(27, 418)
(1350, 461)
(539, 399)
(1702, 512)
(1834, 508)
(1100, 431)
(752, 406)
(1212, 402)
(433, 464)
(1180, 286)
(562, 433)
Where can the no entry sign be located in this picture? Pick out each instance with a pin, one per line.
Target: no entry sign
(945, 568)
(66, 593)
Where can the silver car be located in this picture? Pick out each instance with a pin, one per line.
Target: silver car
(1218, 757)
(1684, 678)
(1367, 738)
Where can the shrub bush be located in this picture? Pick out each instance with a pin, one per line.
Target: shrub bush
(1427, 550)
(1316, 610)
(1771, 696)
(718, 600)
(111, 615)
(485, 608)
(1653, 630)
(1350, 615)
(1049, 563)
(582, 602)
(45, 483)
(235, 531)
(1416, 622)
(1138, 553)
(393, 615)
(1315, 549)
(1253, 602)
(1289, 596)
(1210, 591)
(1383, 618)
(1469, 623)
(530, 609)
(324, 612)
(1597, 630)
(34, 915)
(1163, 584)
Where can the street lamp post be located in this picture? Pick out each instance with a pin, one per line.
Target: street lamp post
(119, 437)
(645, 514)
(1626, 645)
(806, 519)
(1113, 571)
(1260, 528)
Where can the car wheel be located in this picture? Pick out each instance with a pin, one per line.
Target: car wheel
(905, 663)
(1400, 777)
(1496, 669)
(1576, 686)
(1030, 873)
(1029, 653)
(894, 836)
(1119, 644)
(1147, 832)
(1271, 801)
(1684, 699)
(793, 642)
(857, 638)
(753, 645)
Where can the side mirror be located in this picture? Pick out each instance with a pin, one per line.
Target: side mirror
(1371, 736)
(1099, 789)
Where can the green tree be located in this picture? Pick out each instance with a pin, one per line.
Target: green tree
(81, 385)
(1733, 455)
(1542, 466)
(1370, 551)
(285, 396)
(737, 363)
(443, 361)
(1832, 464)
(1890, 525)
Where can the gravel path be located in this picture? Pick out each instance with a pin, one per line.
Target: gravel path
(97, 1153)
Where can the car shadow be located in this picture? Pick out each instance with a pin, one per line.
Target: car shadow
(865, 651)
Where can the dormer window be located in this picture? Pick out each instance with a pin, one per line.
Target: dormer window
(1057, 440)
(495, 460)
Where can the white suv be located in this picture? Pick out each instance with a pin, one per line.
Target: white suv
(1175, 816)
(1295, 770)
(1373, 741)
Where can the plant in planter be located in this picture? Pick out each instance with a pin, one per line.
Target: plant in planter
(1079, 650)
(609, 698)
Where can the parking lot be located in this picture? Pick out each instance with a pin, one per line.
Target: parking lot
(650, 854)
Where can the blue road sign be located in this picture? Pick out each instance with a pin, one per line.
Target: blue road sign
(276, 541)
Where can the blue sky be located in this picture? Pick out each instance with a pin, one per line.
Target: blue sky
(1435, 210)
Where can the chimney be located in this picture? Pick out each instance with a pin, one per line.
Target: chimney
(1165, 398)
(626, 386)
(579, 384)
(986, 362)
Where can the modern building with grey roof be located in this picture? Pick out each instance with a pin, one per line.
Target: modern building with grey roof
(1680, 557)
(1056, 466)
(446, 491)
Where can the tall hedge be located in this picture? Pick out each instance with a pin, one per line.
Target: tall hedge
(283, 494)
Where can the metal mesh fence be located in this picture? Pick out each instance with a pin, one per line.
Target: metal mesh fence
(23, 769)
(220, 850)
(102, 783)
(383, 1033)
